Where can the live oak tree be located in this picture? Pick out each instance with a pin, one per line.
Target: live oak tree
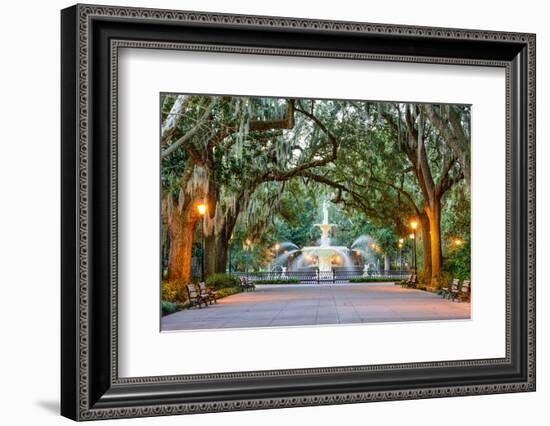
(370, 175)
(203, 127)
(232, 146)
(269, 159)
(396, 164)
(232, 154)
(452, 122)
(384, 163)
(435, 165)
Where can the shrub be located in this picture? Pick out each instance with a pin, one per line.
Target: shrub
(373, 279)
(170, 307)
(457, 261)
(421, 279)
(174, 291)
(280, 281)
(443, 279)
(227, 291)
(219, 281)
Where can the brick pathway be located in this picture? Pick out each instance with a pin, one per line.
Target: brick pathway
(311, 304)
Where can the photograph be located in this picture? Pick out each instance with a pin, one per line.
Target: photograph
(282, 211)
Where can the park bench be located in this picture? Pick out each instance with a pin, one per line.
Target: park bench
(453, 291)
(246, 284)
(403, 283)
(207, 293)
(464, 291)
(446, 291)
(195, 296)
(411, 282)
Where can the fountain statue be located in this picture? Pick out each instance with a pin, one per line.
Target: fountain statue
(325, 256)
(325, 227)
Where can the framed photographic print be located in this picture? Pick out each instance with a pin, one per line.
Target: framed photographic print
(263, 212)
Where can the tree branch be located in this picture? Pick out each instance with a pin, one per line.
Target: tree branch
(188, 135)
(399, 190)
(169, 124)
(278, 175)
(440, 187)
(454, 135)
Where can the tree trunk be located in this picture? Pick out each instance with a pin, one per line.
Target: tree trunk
(434, 215)
(222, 245)
(217, 246)
(180, 221)
(210, 254)
(181, 231)
(432, 191)
(165, 247)
(426, 246)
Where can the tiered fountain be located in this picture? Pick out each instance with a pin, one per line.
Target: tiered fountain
(324, 256)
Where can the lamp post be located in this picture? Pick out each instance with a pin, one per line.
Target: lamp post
(229, 260)
(401, 241)
(201, 207)
(414, 225)
(247, 249)
(229, 252)
(277, 247)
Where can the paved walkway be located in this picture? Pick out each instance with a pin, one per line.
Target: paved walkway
(312, 304)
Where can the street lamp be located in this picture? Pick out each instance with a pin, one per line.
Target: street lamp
(247, 243)
(201, 207)
(414, 225)
(229, 245)
(401, 242)
(277, 247)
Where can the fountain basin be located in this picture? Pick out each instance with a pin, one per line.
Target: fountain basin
(327, 256)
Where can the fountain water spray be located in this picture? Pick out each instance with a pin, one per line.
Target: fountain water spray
(327, 255)
(364, 244)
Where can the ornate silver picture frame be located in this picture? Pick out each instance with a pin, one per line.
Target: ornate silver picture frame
(91, 37)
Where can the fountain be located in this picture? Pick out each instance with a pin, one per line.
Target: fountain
(324, 256)
(360, 258)
(366, 246)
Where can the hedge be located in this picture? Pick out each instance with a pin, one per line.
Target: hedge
(373, 279)
(170, 307)
(279, 281)
(219, 281)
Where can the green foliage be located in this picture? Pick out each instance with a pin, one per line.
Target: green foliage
(279, 281)
(261, 179)
(170, 307)
(295, 221)
(174, 291)
(220, 281)
(422, 280)
(372, 279)
(228, 291)
(457, 261)
(386, 239)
